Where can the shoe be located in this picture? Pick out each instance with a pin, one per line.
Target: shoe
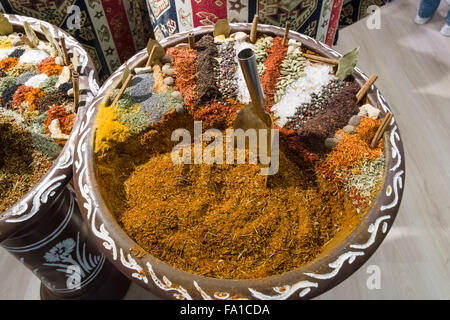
(445, 31)
(420, 20)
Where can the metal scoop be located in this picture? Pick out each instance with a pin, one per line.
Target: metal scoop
(253, 116)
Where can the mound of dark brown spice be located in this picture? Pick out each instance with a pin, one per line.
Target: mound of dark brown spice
(21, 167)
(56, 98)
(334, 116)
(206, 64)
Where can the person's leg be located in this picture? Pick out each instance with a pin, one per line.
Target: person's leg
(445, 31)
(427, 9)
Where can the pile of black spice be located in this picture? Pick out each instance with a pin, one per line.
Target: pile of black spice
(333, 116)
(206, 64)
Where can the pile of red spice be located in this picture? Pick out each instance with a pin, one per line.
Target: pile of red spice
(351, 149)
(367, 128)
(303, 157)
(217, 115)
(269, 80)
(49, 67)
(8, 63)
(28, 94)
(185, 65)
(20, 94)
(66, 119)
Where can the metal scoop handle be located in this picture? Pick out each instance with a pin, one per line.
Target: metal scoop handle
(247, 61)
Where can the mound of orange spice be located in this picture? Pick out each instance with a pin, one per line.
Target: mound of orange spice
(222, 221)
(49, 67)
(28, 94)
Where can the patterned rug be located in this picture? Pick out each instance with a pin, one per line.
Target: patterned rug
(355, 10)
(317, 18)
(111, 31)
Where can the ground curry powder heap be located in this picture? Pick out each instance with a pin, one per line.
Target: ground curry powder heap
(222, 220)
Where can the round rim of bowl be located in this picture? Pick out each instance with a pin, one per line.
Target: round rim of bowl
(49, 187)
(329, 269)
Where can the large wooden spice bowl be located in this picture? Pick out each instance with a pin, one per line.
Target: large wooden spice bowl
(339, 260)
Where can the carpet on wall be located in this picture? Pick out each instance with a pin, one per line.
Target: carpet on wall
(111, 31)
(355, 10)
(316, 18)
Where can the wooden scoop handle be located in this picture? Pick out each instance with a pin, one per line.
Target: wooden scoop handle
(76, 90)
(254, 29)
(362, 92)
(151, 56)
(286, 34)
(122, 90)
(191, 40)
(381, 130)
(321, 59)
(65, 53)
(27, 41)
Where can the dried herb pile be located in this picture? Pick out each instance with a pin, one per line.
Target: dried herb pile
(21, 166)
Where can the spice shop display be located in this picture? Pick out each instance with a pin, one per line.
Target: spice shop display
(201, 230)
